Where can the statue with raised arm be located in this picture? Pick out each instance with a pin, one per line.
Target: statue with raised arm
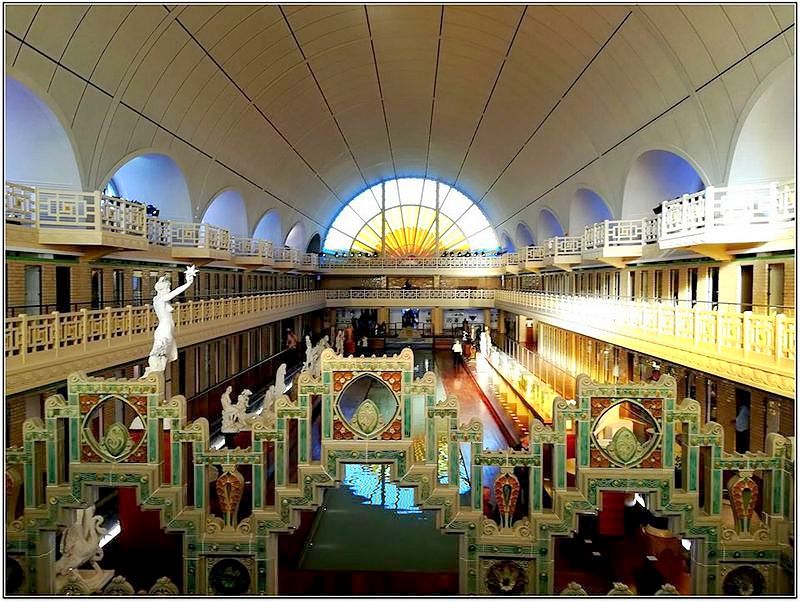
(165, 349)
(81, 544)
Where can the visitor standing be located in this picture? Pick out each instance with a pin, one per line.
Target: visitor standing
(456, 353)
(742, 423)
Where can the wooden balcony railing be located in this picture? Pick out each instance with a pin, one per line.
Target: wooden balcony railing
(410, 294)
(26, 335)
(743, 336)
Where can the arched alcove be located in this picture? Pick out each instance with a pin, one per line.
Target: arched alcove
(227, 210)
(157, 180)
(269, 227)
(548, 226)
(506, 244)
(524, 236)
(654, 177)
(297, 236)
(587, 207)
(314, 244)
(38, 151)
(765, 147)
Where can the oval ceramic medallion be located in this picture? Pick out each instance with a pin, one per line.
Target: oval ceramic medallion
(367, 417)
(626, 433)
(367, 406)
(116, 439)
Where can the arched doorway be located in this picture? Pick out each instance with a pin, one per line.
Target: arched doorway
(269, 227)
(314, 244)
(587, 208)
(548, 226)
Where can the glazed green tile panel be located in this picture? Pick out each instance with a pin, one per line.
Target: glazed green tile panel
(258, 486)
(176, 458)
(535, 489)
(583, 446)
(199, 485)
(74, 439)
(327, 377)
(777, 493)
(279, 463)
(690, 469)
(560, 465)
(406, 416)
(153, 441)
(30, 491)
(716, 491)
(430, 444)
(327, 416)
(302, 451)
(667, 457)
(52, 470)
(407, 376)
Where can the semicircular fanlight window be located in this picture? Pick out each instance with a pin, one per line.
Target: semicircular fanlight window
(410, 217)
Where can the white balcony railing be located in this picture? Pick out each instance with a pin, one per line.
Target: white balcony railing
(159, 232)
(251, 247)
(613, 233)
(562, 246)
(535, 253)
(765, 338)
(732, 209)
(200, 236)
(439, 262)
(32, 335)
(72, 210)
(411, 294)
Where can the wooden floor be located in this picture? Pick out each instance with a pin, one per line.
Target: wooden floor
(458, 382)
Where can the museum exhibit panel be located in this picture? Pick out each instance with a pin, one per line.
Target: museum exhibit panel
(400, 299)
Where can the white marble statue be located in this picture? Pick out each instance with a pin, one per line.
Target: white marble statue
(229, 412)
(340, 342)
(81, 544)
(325, 343)
(165, 350)
(280, 380)
(486, 342)
(309, 355)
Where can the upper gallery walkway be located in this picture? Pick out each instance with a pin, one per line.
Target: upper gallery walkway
(715, 222)
(757, 349)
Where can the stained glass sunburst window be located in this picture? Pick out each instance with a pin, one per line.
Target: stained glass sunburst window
(410, 217)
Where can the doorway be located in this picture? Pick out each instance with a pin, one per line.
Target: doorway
(775, 279)
(33, 290)
(742, 421)
(97, 289)
(63, 288)
(746, 288)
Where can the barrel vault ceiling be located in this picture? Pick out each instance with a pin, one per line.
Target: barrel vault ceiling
(302, 107)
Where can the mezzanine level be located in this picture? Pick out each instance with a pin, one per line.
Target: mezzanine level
(751, 348)
(714, 222)
(93, 224)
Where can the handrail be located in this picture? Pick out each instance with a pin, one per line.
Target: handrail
(723, 332)
(25, 334)
(399, 293)
(251, 247)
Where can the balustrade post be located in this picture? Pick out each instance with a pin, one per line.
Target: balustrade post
(98, 210)
(780, 320)
(129, 320)
(708, 199)
(747, 331)
(85, 326)
(23, 336)
(36, 208)
(108, 325)
(719, 329)
(56, 332)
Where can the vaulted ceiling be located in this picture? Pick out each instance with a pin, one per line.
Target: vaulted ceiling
(301, 107)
